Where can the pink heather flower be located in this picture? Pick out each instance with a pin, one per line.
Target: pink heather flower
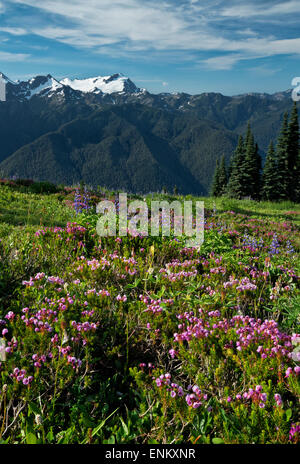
(4, 331)
(238, 397)
(172, 353)
(229, 399)
(196, 405)
(261, 405)
(288, 372)
(294, 432)
(297, 369)
(263, 397)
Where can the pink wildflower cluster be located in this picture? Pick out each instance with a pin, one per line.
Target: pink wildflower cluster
(257, 396)
(196, 398)
(70, 359)
(247, 331)
(246, 284)
(294, 434)
(71, 229)
(173, 388)
(20, 376)
(153, 305)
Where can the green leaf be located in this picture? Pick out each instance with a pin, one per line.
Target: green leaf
(31, 439)
(217, 441)
(124, 426)
(99, 427)
(111, 440)
(288, 413)
(35, 409)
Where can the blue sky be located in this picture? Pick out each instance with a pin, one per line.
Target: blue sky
(193, 46)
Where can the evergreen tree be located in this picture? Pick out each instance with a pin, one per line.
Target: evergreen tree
(215, 187)
(293, 154)
(297, 190)
(222, 177)
(270, 176)
(282, 161)
(236, 183)
(252, 167)
(219, 183)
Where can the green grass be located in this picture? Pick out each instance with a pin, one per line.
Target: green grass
(111, 396)
(28, 209)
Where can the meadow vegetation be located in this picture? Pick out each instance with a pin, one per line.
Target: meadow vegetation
(140, 339)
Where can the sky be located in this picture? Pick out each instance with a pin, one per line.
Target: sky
(190, 46)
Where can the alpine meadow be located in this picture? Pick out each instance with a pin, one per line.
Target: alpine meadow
(150, 227)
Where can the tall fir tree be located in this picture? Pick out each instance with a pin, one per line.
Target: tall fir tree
(214, 191)
(283, 177)
(236, 183)
(270, 176)
(252, 167)
(219, 182)
(223, 179)
(293, 154)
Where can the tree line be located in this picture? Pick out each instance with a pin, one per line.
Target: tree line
(278, 180)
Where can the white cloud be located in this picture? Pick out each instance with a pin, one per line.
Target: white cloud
(224, 62)
(261, 9)
(126, 27)
(264, 70)
(11, 57)
(14, 30)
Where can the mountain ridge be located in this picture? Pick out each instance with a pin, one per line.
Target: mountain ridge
(180, 135)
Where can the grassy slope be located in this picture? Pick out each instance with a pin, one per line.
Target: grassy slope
(22, 213)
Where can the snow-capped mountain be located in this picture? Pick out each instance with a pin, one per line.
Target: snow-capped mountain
(114, 89)
(25, 90)
(96, 129)
(117, 83)
(5, 79)
(47, 86)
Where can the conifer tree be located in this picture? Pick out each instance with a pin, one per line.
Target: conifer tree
(282, 161)
(222, 177)
(236, 183)
(270, 176)
(252, 167)
(293, 153)
(215, 187)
